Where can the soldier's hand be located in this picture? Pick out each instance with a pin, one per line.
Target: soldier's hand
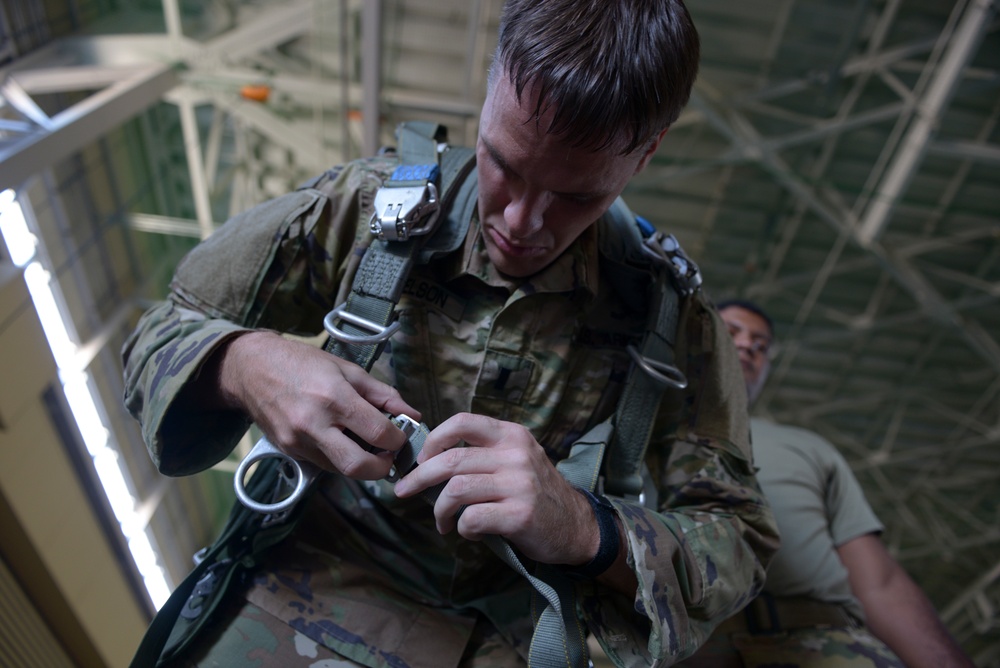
(507, 486)
(304, 398)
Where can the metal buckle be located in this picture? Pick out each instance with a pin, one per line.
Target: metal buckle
(294, 478)
(662, 247)
(379, 334)
(404, 212)
(658, 371)
(405, 460)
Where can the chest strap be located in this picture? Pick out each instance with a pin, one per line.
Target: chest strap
(407, 211)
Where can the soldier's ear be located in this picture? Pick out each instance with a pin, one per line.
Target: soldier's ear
(649, 150)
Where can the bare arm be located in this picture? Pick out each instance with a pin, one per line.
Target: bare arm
(898, 611)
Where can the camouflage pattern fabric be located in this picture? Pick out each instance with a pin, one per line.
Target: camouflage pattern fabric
(366, 572)
(820, 647)
(248, 637)
(817, 648)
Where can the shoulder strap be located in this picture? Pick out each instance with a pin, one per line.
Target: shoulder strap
(407, 210)
(640, 261)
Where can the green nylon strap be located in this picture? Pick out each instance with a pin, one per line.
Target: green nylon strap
(558, 639)
(189, 607)
(386, 265)
(640, 399)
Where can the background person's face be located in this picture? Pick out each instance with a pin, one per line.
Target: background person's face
(753, 342)
(537, 194)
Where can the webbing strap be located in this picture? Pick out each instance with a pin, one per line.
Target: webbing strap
(385, 266)
(377, 287)
(558, 639)
(641, 397)
(187, 609)
(361, 326)
(631, 268)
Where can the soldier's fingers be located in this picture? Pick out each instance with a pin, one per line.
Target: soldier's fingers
(380, 395)
(477, 430)
(349, 458)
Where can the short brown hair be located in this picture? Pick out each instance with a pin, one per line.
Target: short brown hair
(616, 71)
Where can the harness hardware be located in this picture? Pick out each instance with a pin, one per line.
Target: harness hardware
(379, 334)
(407, 205)
(666, 247)
(665, 374)
(296, 475)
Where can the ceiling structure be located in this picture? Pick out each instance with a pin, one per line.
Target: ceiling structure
(839, 164)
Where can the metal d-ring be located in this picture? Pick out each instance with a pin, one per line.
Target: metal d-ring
(379, 333)
(302, 474)
(660, 371)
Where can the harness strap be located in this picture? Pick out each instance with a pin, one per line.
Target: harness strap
(189, 607)
(654, 369)
(558, 637)
(360, 327)
(652, 373)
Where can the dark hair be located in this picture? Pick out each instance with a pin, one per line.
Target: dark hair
(748, 306)
(616, 72)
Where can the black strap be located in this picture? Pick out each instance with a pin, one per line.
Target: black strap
(190, 605)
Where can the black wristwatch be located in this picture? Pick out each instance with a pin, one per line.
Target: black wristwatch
(610, 543)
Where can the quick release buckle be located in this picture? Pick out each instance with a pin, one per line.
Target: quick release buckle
(662, 247)
(407, 204)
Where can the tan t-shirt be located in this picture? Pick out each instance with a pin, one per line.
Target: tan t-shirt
(818, 504)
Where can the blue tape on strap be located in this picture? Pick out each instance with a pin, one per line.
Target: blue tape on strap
(427, 172)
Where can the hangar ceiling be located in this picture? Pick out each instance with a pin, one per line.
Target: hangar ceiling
(839, 163)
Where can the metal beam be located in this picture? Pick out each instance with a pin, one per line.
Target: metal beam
(71, 130)
(196, 166)
(971, 592)
(745, 138)
(371, 74)
(183, 227)
(962, 46)
(81, 77)
(268, 29)
(966, 150)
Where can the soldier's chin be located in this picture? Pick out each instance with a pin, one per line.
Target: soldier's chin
(517, 265)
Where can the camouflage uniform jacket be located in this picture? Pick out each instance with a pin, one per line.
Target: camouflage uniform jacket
(366, 573)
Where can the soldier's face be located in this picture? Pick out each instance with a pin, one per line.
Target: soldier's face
(537, 193)
(753, 342)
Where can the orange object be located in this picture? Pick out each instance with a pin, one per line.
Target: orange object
(258, 93)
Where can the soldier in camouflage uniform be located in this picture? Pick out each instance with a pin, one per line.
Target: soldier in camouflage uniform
(513, 345)
(834, 597)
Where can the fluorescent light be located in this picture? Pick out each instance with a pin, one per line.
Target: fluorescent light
(76, 386)
(14, 229)
(83, 402)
